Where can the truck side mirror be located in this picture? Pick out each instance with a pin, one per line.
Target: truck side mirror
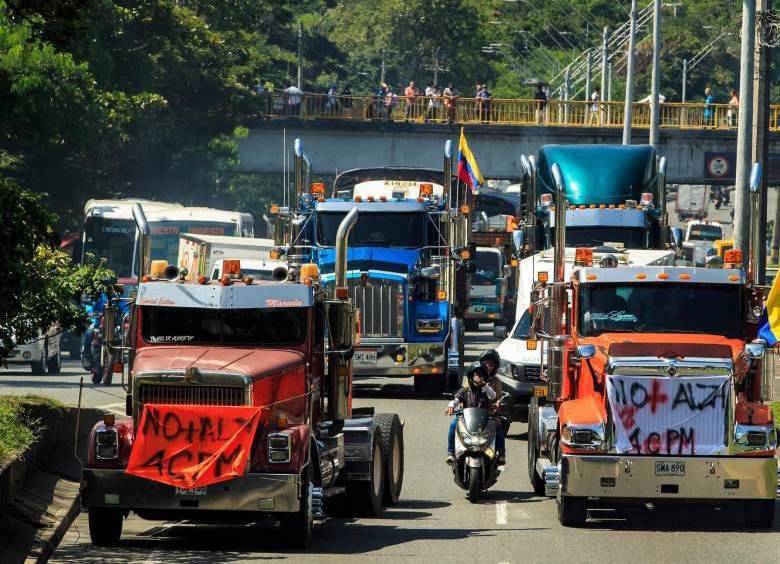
(756, 349)
(341, 325)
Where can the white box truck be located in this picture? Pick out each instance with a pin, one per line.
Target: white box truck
(692, 201)
(199, 253)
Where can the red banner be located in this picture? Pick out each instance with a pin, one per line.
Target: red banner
(190, 446)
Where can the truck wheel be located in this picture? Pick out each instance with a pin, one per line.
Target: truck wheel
(392, 434)
(105, 525)
(54, 365)
(760, 513)
(475, 484)
(536, 481)
(296, 527)
(572, 511)
(40, 366)
(366, 496)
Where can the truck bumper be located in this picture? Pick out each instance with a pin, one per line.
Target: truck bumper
(260, 493)
(484, 311)
(634, 478)
(415, 358)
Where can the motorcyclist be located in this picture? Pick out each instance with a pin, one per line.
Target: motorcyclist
(490, 360)
(479, 394)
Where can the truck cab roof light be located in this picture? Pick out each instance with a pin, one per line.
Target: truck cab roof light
(382, 198)
(546, 200)
(274, 208)
(370, 198)
(646, 199)
(248, 280)
(602, 206)
(583, 257)
(358, 199)
(465, 210)
(225, 280)
(203, 280)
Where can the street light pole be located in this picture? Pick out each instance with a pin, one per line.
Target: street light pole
(745, 119)
(656, 77)
(300, 56)
(604, 62)
(588, 73)
(628, 108)
(684, 79)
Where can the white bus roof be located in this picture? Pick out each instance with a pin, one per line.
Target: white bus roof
(193, 214)
(123, 209)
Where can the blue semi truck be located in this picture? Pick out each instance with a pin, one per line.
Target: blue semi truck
(407, 265)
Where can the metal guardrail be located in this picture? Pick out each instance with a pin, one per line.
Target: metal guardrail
(499, 111)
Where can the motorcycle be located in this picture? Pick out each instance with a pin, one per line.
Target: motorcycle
(474, 464)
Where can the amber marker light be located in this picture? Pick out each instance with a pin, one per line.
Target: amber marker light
(641, 276)
(685, 276)
(663, 276)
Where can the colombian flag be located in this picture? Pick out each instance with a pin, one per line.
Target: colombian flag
(769, 324)
(468, 171)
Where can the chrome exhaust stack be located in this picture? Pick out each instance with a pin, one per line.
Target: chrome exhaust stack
(662, 164)
(342, 239)
(755, 233)
(559, 343)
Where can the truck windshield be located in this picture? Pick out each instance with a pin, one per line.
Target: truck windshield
(201, 326)
(705, 233)
(661, 308)
(165, 235)
(375, 229)
(113, 240)
(631, 237)
(488, 268)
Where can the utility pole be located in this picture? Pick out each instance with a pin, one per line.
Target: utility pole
(604, 62)
(588, 74)
(300, 56)
(745, 122)
(760, 151)
(655, 116)
(684, 79)
(628, 108)
(609, 91)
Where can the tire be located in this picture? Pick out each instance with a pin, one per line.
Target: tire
(471, 324)
(392, 437)
(297, 527)
(41, 366)
(365, 497)
(105, 526)
(97, 377)
(475, 484)
(536, 481)
(572, 511)
(760, 513)
(54, 365)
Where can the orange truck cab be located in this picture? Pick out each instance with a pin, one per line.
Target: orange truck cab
(655, 390)
(240, 408)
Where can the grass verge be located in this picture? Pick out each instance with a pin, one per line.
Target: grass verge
(18, 429)
(776, 410)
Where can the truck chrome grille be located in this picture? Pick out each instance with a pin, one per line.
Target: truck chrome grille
(190, 394)
(381, 305)
(532, 372)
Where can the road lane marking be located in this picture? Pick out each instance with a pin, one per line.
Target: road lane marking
(112, 407)
(156, 556)
(501, 513)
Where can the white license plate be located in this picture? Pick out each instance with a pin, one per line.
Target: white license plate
(191, 492)
(364, 358)
(664, 468)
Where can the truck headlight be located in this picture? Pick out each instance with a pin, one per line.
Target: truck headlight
(583, 436)
(749, 438)
(279, 448)
(429, 325)
(106, 444)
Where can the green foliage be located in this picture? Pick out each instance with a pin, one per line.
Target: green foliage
(18, 428)
(42, 287)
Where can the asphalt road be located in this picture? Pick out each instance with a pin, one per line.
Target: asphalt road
(433, 522)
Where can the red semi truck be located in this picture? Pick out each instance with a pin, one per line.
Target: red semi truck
(240, 400)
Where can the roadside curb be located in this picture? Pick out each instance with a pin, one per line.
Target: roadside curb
(47, 541)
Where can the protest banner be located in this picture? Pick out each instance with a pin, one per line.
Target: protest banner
(669, 416)
(191, 446)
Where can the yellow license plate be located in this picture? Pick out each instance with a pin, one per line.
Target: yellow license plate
(540, 391)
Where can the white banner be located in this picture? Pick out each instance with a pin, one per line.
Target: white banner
(669, 416)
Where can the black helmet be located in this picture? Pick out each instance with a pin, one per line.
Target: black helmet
(490, 354)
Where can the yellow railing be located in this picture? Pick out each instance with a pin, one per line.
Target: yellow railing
(554, 113)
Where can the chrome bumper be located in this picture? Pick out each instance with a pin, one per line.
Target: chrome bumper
(634, 477)
(265, 493)
(418, 358)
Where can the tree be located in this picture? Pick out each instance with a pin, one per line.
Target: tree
(42, 288)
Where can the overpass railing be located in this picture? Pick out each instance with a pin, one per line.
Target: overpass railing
(554, 113)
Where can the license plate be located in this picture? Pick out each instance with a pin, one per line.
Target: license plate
(191, 492)
(663, 468)
(364, 358)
